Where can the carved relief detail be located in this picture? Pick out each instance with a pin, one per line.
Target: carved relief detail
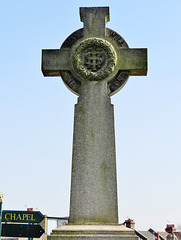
(94, 59)
(72, 82)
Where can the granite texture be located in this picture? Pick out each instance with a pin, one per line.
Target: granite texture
(93, 183)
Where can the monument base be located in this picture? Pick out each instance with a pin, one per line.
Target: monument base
(93, 232)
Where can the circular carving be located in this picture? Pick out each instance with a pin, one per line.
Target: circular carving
(94, 59)
(72, 81)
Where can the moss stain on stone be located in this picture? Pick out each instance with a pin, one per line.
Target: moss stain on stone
(82, 111)
(92, 136)
(104, 172)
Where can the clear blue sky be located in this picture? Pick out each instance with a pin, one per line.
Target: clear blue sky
(36, 113)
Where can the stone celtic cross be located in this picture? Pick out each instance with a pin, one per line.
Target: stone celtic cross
(94, 62)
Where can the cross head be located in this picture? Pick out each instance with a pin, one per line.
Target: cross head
(94, 53)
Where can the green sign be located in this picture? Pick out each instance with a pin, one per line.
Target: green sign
(22, 216)
(22, 230)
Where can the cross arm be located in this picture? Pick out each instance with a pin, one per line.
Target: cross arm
(133, 60)
(54, 61)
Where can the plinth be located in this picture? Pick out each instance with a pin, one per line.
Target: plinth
(93, 232)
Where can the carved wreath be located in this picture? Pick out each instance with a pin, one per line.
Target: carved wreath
(105, 70)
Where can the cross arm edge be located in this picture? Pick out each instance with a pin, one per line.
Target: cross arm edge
(54, 61)
(83, 10)
(135, 60)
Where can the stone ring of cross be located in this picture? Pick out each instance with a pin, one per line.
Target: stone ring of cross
(94, 53)
(94, 59)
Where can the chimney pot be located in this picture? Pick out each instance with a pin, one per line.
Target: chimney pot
(129, 223)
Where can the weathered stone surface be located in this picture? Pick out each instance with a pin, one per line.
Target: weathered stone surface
(94, 185)
(54, 61)
(94, 20)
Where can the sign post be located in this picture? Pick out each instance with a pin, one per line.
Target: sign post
(30, 209)
(30, 229)
(22, 230)
(22, 216)
(1, 201)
